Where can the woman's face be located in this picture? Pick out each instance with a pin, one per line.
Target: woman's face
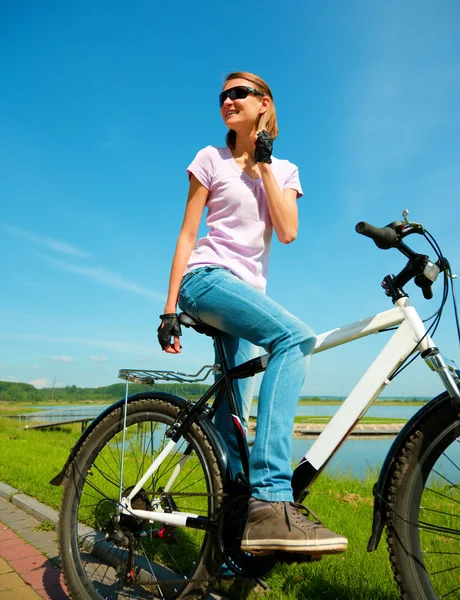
(242, 114)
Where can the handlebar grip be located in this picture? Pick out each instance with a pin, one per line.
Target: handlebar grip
(383, 237)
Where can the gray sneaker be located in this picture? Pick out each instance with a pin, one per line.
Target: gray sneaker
(273, 526)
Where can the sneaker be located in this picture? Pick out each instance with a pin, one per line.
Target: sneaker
(273, 526)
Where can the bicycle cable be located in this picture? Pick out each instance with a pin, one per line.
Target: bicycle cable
(454, 298)
(436, 315)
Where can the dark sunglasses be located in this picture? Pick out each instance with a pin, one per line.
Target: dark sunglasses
(238, 93)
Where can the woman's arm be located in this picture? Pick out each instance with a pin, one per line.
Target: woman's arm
(282, 206)
(186, 243)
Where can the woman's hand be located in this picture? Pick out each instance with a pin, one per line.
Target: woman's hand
(263, 147)
(170, 327)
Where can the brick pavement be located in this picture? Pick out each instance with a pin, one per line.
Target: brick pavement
(29, 562)
(29, 557)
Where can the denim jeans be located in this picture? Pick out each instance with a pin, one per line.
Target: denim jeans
(248, 318)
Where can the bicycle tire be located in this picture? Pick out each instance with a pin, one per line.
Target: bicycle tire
(162, 567)
(423, 509)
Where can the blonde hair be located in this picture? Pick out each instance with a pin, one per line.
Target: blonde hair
(268, 119)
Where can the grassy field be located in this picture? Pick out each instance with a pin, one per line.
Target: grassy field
(389, 402)
(363, 420)
(31, 458)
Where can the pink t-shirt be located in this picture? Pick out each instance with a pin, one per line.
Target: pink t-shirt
(240, 228)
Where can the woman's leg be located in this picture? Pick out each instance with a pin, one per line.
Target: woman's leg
(220, 299)
(274, 522)
(237, 351)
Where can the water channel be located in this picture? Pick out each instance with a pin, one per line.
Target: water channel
(357, 456)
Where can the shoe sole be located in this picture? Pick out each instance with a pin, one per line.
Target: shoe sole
(266, 547)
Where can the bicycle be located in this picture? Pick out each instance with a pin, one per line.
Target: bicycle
(151, 509)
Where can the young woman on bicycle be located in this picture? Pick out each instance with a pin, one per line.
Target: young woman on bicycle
(222, 282)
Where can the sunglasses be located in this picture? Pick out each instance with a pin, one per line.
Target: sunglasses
(238, 93)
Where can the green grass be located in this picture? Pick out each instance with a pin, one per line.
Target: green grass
(363, 420)
(344, 503)
(45, 526)
(308, 402)
(31, 458)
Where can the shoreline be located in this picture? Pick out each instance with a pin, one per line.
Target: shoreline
(305, 430)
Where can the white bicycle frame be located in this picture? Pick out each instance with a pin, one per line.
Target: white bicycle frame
(410, 336)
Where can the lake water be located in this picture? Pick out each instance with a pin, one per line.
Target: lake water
(316, 410)
(358, 457)
(355, 456)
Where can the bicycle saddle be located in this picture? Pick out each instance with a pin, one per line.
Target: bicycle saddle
(188, 321)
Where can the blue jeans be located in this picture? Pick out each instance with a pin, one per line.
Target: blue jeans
(247, 317)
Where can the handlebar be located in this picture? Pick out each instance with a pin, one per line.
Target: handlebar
(419, 267)
(383, 237)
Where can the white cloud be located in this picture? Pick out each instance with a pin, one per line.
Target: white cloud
(41, 383)
(11, 378)
(98, 359)
(47, 242)
(36, 367)
(105, 277)
(63, 359)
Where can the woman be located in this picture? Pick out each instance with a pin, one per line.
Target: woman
(222, 282)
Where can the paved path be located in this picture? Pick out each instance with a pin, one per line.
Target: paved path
(29, 563)
(29, 557)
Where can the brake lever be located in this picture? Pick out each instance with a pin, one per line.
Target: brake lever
(406, 227)
(425, 285)
(402, 228)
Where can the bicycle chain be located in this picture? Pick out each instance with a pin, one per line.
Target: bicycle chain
(207, 580)
(212, 579)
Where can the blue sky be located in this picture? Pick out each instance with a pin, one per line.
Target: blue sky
(103, 106)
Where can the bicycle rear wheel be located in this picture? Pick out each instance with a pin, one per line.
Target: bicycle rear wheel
(423, 519)
(122, 558)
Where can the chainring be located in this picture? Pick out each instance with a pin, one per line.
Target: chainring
(230, 533)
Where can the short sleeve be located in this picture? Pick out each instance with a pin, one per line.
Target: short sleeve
(292, 180)
(202, 167)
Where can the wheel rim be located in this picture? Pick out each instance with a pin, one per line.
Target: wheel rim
(160, 566)
(436, 494)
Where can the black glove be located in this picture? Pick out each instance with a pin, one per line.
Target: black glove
(264, 147)
(170, 328)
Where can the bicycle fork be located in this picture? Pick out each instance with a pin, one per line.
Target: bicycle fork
(447, 371)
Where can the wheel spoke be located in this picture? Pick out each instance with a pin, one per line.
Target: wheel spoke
(445, 570)
(428, 489)
(451, 461)
(445, 479)
(120, 556)
(451, 592)
(440, 512)
(438, 529)
(440, 552)
(423, 529)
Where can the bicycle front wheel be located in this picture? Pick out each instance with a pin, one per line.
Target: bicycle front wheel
(108, 555)
(423, 519)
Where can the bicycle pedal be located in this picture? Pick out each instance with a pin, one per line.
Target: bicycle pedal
(296, 557)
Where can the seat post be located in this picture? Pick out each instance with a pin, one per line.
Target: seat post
(224, 366)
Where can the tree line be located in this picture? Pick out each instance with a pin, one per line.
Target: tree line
(25, 392)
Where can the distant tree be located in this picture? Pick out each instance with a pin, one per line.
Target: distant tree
(18, 392)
